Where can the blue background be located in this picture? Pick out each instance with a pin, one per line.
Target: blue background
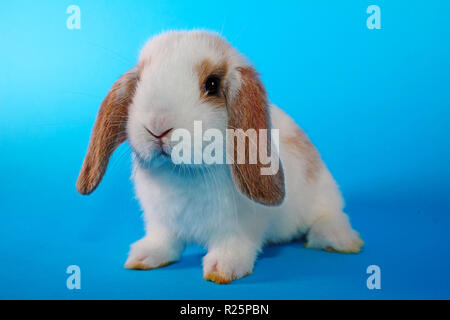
(375, 103)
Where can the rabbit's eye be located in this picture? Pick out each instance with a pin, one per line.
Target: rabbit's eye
(212, 85)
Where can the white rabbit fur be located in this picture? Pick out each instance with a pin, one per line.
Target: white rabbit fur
(201, 204)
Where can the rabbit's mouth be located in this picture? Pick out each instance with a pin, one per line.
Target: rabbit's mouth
(160, 155)
(164, 154)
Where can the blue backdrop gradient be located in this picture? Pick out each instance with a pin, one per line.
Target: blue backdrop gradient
(376, 103)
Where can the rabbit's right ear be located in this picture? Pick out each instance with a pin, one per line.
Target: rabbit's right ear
(109, 131)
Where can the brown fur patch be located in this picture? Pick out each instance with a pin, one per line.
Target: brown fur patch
(250, 111)
(108, 133)
(217, 277)
(205, 69)
(300, 143)
(141, 266)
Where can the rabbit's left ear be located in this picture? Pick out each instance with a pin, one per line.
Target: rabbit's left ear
(109, 131)
(250, 110)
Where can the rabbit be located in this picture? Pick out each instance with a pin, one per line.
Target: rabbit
(230, 209)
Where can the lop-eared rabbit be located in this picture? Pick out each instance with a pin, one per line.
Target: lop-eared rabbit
(230, 208)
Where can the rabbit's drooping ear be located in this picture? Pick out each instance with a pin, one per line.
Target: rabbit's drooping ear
(108, 133)
(250, 111)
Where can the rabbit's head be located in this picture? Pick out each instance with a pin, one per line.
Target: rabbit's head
(183, 79)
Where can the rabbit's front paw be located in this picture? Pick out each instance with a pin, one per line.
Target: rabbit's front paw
(148, 253)
(222, 267)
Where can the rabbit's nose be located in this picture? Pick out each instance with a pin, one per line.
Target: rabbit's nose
(161, 135)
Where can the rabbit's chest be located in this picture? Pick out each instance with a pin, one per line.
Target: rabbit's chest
(195, 207)
(204, 210)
